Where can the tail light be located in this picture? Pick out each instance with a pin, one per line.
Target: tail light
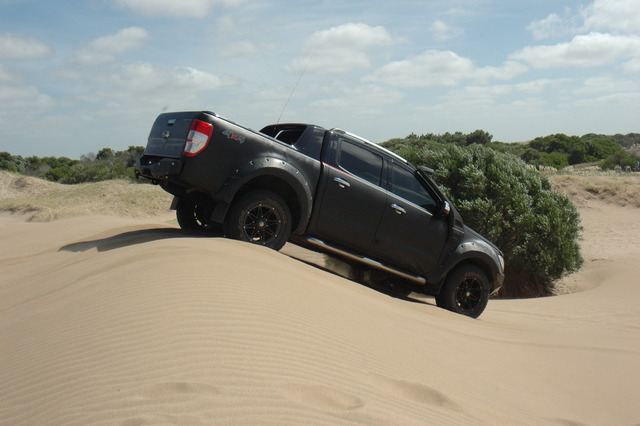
(198, 138)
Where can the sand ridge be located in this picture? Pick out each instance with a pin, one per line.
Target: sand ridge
(115, 320)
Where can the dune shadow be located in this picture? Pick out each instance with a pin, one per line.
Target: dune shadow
(131, 238)
(141, 236)
(356, 275)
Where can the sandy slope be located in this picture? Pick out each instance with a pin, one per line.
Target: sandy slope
(107, 320)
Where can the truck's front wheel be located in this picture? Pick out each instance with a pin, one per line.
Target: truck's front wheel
(260, 217)
(465, 291)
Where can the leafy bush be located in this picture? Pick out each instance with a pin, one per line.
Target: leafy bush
(9, 162)
(625, 141)
(512, 205)
(558, 160)
(625, 160)
(106, 165)
(560, 150)
(479, 137)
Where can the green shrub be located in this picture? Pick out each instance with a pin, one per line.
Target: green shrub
(624, 159)
(9, 162)
(512, 205)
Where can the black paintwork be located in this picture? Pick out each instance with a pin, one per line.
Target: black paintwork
(340, 188)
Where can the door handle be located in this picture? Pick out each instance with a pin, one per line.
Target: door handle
(342, 183)
(398, 209)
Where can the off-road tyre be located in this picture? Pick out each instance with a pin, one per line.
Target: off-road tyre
(465, 291)
(197, 217)
(260, 217)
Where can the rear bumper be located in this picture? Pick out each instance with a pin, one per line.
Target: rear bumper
(157, 168)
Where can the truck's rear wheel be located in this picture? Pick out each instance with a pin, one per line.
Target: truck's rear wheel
(197, 217)
(260, 217)
(465, 291)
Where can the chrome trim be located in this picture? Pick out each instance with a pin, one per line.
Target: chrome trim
(362, 259)
(343, 183)
(372, 144)
(398, 209)
(446, 209)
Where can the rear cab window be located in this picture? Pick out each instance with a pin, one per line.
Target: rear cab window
(360, 162)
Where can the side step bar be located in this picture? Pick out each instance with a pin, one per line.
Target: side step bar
(362, 259)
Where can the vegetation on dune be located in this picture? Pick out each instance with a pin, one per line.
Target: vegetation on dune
(38, 200)
(500, 193)
(557, 150)
(107, 164)
(513, 205)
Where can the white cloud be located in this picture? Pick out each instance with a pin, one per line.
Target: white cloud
(541, 85)
(350, 36)
(16, 97)
(431, 68)
(14, 46)
(5, 75)
(502, 93)
(19, 99)
(443, 31)
(606, 16)
(357, 100)
(549, 27)
(105, 49)
(613, 15)
(145, 79)
(173, 8)
(506, 71)
(441, 68)
(607, 83)
(632, 66)
(617, 105)
(240, 48)
(340, 49)
(584, 50)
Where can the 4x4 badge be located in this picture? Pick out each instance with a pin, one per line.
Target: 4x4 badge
(233, 136)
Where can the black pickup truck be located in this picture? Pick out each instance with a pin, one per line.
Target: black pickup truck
(327, 190)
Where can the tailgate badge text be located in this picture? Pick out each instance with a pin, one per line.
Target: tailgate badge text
(233, 136)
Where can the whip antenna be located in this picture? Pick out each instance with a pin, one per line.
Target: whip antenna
(294, 89)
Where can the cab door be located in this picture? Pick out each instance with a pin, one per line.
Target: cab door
(410, 236)
(352, 201)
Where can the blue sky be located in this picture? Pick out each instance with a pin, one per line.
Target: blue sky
(77, 76)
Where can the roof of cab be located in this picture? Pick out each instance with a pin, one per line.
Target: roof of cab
(372, 144)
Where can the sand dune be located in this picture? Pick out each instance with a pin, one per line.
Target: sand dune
(113, 320)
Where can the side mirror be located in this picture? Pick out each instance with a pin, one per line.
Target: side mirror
(445, 209)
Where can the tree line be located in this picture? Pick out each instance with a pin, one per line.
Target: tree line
(557, 150)
(107, 164)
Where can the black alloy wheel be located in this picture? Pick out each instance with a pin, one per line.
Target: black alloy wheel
(261, 224)
(260, 217)
(469, 293)
(465, 291)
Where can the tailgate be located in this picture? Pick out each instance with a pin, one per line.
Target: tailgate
(169, 133)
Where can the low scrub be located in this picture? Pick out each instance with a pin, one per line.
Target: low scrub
(37, 200)
(514, 206)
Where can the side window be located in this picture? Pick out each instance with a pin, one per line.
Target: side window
(407, 186)
(360, 162)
